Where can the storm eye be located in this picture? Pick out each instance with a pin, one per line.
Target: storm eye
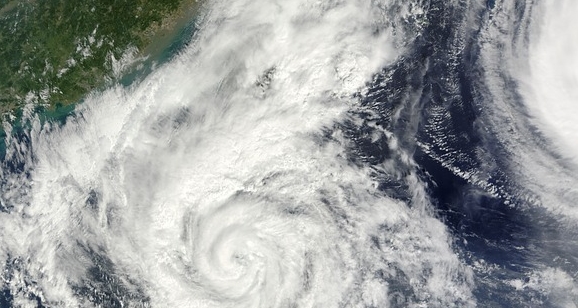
(241, 258)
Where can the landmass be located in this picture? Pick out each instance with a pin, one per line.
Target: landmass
(56, 51)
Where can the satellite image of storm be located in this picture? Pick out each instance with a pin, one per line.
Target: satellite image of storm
(288, 153)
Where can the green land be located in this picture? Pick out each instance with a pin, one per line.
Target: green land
(53, 52)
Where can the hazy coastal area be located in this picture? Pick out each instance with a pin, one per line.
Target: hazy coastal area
(54, 52)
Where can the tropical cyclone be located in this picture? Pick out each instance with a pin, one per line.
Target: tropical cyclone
(214, 190)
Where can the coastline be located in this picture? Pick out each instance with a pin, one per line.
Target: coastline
(173, 35)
